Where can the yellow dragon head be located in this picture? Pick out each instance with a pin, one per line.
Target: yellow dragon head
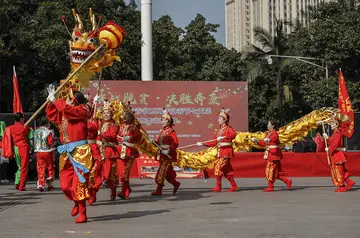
(82, 44)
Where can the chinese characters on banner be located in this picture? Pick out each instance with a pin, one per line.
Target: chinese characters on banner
(194, 106)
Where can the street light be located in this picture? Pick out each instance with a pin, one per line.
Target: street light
(302, 59)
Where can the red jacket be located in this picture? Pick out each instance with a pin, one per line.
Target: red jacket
(273, 149)
(226, 149)
(168, 140)
(127, 149)
(335, 144)
(72, 120)
(14, 135)
(107, 139)
(320, 143)
(19, 134)
(93, 127)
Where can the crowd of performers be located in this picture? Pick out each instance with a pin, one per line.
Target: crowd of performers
(94, 151)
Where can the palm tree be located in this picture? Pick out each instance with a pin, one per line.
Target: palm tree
(269, 45)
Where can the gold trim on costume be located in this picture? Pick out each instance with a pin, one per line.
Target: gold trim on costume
(161, 174)
(127, 169)
(81, 154)
(269, 171)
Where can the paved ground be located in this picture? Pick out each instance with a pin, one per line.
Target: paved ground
(311, 209)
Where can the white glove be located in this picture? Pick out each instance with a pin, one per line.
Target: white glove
(165, 152)
(220, 138)
(199, 143)
(326, 149)
(151, 140)
(267, 140)
(51, 92)
(325, 136)
(126, 138)
(96, 98)
(254, 139)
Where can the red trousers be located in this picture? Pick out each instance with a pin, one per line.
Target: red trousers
(125, 168)
(96, 171)
(44, 160)
(165, 171)
(24, 153)
(70, 184)
(111, 172)
(223, 168)
(274, 171)
(95, 178)
(339, 174)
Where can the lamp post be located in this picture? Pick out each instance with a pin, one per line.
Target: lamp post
(146, 46)
(302, 59)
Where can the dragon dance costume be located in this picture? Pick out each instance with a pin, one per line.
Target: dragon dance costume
(273, 156)
(339, 174)
(168, 143)
(222, 139)
(106, 141)
(129, 134)
(15, 143)
(43, 141)
(75, 161)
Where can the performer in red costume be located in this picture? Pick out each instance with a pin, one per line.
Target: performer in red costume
(43, 142)
(95, 180)
(320, 143)
(168, 143)
(75, 160)
(223, 138)
(336, 150)
(17, 135)
(129, 134)
(273, 156)
(107, 143)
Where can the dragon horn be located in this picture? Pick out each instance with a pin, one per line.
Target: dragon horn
(78, 21)
(92, 19)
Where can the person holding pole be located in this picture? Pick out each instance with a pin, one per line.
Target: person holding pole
(95, 180)
(336, 154)
(107, 141)
(129, 134)
(273, 156)
(223, 138)
(76, 160)
(168, 143)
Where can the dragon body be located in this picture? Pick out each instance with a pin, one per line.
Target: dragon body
(289, 133)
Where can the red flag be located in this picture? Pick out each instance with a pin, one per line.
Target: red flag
(345, 107)
(17, 107)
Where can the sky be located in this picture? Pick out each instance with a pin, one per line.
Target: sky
(183, 11)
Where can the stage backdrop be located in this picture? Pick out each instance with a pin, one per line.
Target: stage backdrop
(193, 104)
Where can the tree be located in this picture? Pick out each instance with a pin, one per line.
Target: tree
(198, 46)
(204, 58)
(277, 45)
(334, 34)
(167, 57)
(34, 39)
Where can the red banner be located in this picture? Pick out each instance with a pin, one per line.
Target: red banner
(17, 106)
(345, 106)
(194, 105)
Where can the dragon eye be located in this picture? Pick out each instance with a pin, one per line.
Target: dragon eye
(76, 38)
(92, 40)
